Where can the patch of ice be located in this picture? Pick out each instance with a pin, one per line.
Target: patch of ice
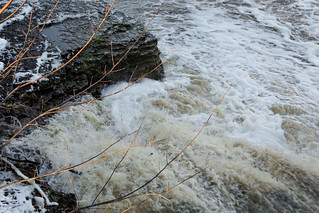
(1, 66)
(3, 44)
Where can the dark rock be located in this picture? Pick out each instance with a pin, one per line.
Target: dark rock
(92, 64)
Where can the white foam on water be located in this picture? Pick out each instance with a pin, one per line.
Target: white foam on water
(84, 134)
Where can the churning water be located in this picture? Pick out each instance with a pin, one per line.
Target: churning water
(263, 140)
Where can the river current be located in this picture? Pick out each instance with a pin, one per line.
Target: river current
(262, 143)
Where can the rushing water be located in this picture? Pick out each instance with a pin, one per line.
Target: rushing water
(263, 140)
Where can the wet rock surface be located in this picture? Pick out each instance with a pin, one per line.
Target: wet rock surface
(68, 29)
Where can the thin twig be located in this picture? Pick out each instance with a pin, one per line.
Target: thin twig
(5, 6)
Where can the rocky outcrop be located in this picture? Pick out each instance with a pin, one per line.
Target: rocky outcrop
(91, 65)
(69, 28)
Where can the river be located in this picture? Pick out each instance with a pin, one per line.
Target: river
(261, 146)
